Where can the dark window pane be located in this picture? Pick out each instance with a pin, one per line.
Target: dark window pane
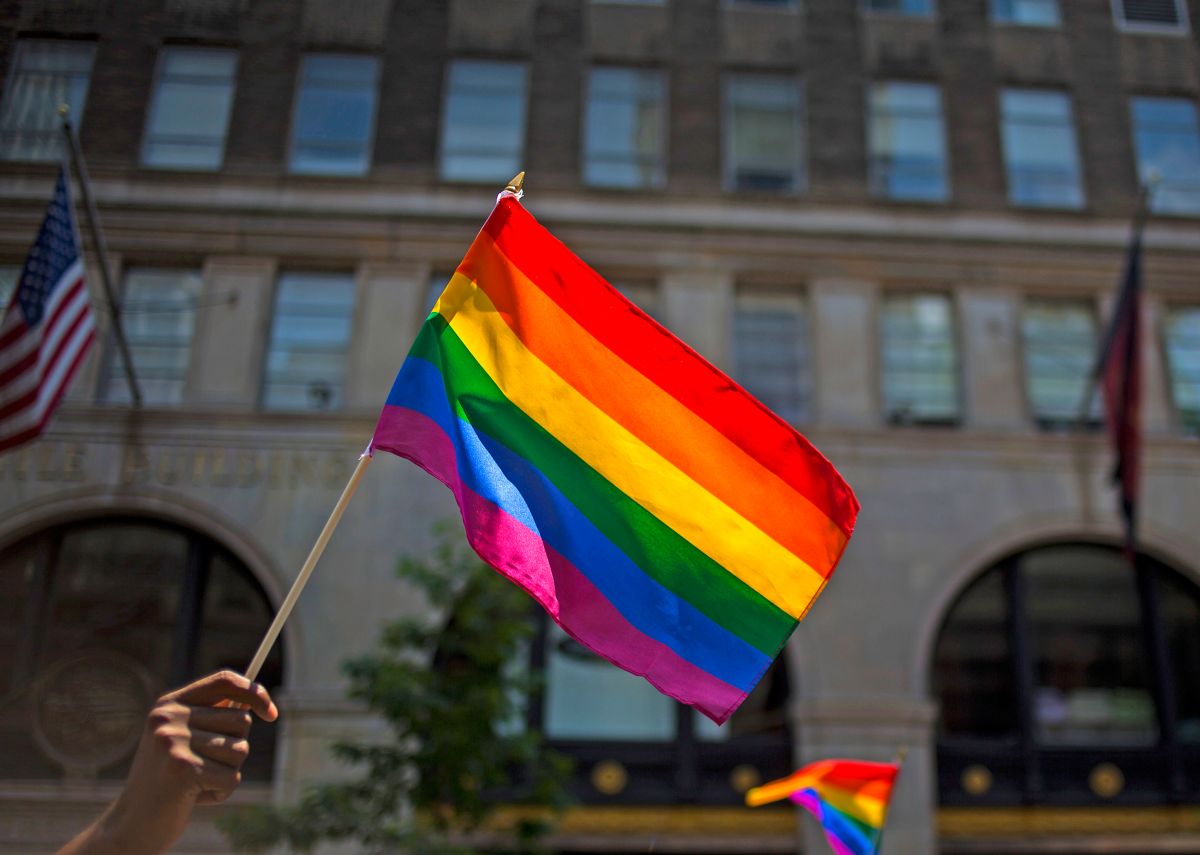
(1040, 153)
(189, 113)
(623, 128)
(483, 123)
(235, 616)
(335, 112)
(1092, 674)
(1060, 346)
(1182, 342)
(45, 74)
(1181, 619)
(771, 358)
(1030, 13)
(762, 134)
(906, 142)
(973, 668)
(920, 359)
(1166, 137)
(306, 359)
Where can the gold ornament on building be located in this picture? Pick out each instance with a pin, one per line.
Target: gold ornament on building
(1106, 780)
(743, 777)
(976, 779)
(609, 777)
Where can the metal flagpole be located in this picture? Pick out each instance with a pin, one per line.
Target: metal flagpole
(101, 249)
(1140, 215)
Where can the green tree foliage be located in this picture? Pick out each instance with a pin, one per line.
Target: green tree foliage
(457, 749)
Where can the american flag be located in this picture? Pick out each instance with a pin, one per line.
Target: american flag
(47, 327)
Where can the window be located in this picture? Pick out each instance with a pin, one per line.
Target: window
(44, 75)
(483, 123)
(189, 113)
(633, 745)
(762, 133)
(159, 316)
(1168, 15)
(624, 131)
(1060, 350)
(920, 359)
(109, 614)
(335, 115)
(1183, 362)
(1040, 153)
(306, 359)
(9, 274)
(906, 142)
(1061, 658)
(1030, 13)
(901, 7)
(1166, 138)
(770, 352)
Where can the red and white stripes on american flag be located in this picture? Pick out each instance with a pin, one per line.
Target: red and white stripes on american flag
(47, 327)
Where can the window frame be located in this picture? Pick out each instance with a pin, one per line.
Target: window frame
(1050, 424)
(111, 367)
(1139, 172)
(683, 770)
(799, 184)
(372, 124)
(152, 107)
(202, 554)
(78, 112)
(662, 165)
(447, 91)
(1025, 761)
(1183, 28)
(1076, 150)
(864, 8)
(996, 20)
(1181, 423)
(804, 382)
(955, 338)
(352, 317)
(947, 171)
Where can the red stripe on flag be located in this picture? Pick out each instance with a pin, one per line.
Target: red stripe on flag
(33, 432)
(680, 371)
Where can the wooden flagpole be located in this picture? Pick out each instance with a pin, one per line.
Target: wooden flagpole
(101, 249)
(314, 555)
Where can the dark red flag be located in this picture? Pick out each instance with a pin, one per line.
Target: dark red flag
(1120, 371)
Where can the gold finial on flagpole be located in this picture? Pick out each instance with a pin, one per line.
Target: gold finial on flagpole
(516, 184)
(64, 109)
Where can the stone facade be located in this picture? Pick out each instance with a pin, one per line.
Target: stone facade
(939, 504)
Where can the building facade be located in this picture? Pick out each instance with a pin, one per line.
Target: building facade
(900, 223)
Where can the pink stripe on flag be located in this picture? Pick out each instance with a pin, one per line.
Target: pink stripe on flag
(559, 587)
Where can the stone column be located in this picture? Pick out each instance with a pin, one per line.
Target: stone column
(1156, 381)
(697, 305)
(390, 308)
(990, 339)
(231, 335)
(846, 352)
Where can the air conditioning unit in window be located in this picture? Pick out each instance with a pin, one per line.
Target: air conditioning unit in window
(1150, 13)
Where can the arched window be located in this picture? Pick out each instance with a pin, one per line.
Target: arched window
(634, 745)
(1064, 676)
(97, 618)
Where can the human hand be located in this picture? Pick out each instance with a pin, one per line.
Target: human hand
(191, 753)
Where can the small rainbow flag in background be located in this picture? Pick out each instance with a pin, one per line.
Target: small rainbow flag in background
(848, 797)
(661, 515)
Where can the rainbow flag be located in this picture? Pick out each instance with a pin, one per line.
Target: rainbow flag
(662, 516)
(848, 797)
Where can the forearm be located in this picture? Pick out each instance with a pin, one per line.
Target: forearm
(112, 833)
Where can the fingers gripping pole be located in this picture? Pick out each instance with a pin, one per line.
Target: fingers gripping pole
(289, 602)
